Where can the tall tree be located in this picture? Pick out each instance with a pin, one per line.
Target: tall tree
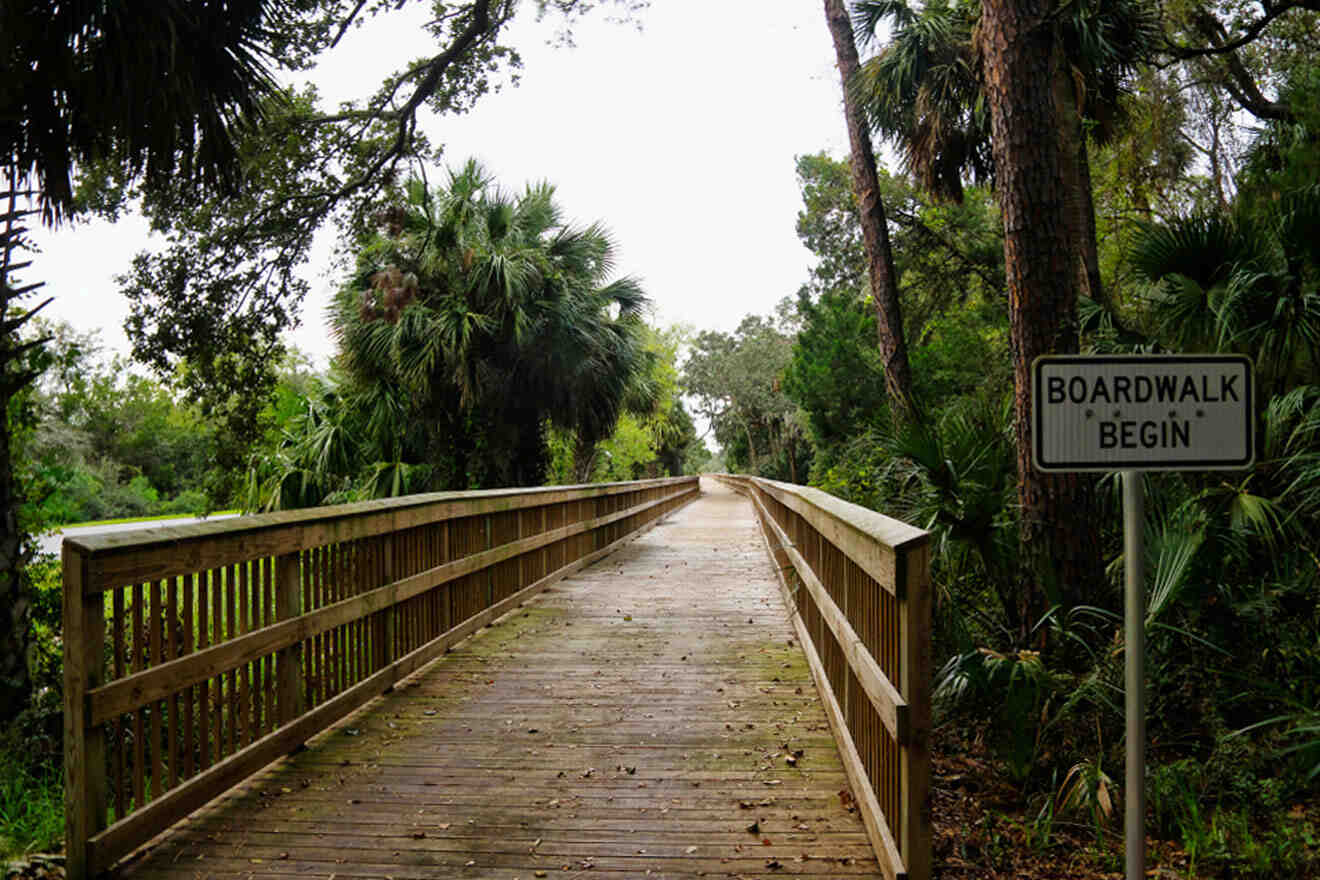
(156, 91)
(924, 91)
(1022, 52)
(875, 230)
(737, 382)
(158, 101)
(474, 319)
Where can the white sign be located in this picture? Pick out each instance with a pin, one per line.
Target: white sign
(1143, 413)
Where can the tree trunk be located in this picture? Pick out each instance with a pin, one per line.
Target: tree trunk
(1075, 165)
(584, 460)
(875, 230)
(15, 604)
(1086, 224)
(1060, 549)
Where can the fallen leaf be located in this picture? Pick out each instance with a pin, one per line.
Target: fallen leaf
(690, 850)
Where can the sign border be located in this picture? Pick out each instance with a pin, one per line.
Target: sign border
(1124, 464)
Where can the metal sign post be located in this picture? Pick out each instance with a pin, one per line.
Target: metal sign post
(1135, 414)
(1134, 674)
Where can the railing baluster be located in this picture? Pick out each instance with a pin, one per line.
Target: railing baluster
(288, 596)
(206, 693)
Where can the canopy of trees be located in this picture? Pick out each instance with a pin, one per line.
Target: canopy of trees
(1096, 177)
(478, 326)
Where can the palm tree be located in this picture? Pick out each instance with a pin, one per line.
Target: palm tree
(925, 91)
(494, 317)
(1241, 282)
(151, 91)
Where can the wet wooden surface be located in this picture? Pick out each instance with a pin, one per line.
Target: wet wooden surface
(651, 716)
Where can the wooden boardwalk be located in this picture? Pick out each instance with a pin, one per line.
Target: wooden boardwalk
(651, 716)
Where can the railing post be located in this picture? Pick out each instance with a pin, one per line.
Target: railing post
(914, 597)
(84, 745)
(288, 604)
(389, 616)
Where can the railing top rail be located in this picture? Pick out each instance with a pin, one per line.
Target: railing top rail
(885, 530)
(149, 537)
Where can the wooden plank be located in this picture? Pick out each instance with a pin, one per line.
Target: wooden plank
(242, 691)
(233, 738)
(172, 712)
(204, 686)
(124, 557)
(915, 623)
(676, 813)
(889, 704)
(159, 682)
(882, 838)
(120, 783)
(847, 529)
(84, 743)
(154, 707)
(288, 597)
(189, 639)
(134, 830)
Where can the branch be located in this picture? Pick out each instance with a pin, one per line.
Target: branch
(1241, 86)
(436, 67)
(911, 221)
(1253, 31)
(343, 28)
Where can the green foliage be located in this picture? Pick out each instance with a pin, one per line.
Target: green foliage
(835, 374)
(1014, 689)
(107, 443)
(737, 380)
(31, 805)
(479, 333)
(173, 88)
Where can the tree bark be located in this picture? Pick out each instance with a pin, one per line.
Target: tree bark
(584, 460)
(15, 604)
(1059, 540)
(875, 230)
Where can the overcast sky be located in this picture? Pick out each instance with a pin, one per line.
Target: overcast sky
(681, 138)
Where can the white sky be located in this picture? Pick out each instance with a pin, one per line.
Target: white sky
(681, 138)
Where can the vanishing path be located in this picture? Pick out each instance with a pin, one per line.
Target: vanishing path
(651, 716)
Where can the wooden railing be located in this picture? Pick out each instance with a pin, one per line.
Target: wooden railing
(859, 583)
(196, 655)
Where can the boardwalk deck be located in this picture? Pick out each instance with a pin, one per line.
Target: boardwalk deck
(651, 716)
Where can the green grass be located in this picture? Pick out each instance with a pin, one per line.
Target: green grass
(142, 519)
(31, 808)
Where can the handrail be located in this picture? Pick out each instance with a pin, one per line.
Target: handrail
(859, 586)
(196, 655)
